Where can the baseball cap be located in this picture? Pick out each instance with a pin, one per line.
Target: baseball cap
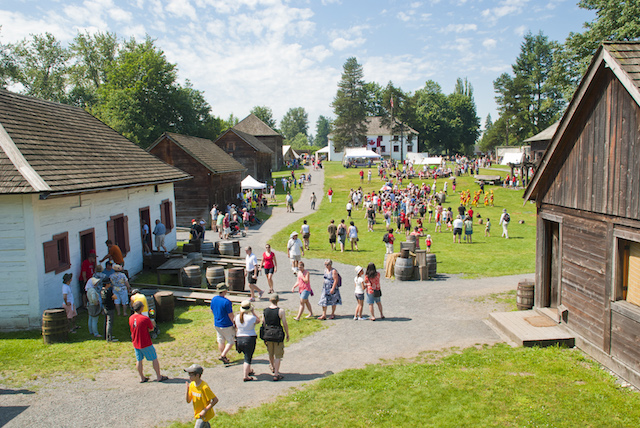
(194, 368)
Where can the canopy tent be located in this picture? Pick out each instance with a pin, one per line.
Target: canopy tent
(325, 149)
(436, 160)
(511, 158)
(360, 152)
(251, 183)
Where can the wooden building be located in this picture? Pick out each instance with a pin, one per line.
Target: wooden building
(540, 142)
(249, 151)
(252, 125)
(587, 193)
(216, 175)
(68, 183)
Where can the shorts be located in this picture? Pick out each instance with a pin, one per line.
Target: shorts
(304, 294)
(246, 345)
(468, 232)
(71, 310)
(306, 236)
(149, 353)
(226, 334)
(275, 349)
(359, 296)
(295, 258)
(226, 230)
(122, 296)
(159, 241)
(251, 279)
(371, 299)
(370, 221)
(332, 240)
(342, 238)
(267, 271)
(457, 231)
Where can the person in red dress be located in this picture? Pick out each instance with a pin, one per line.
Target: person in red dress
(270, 266)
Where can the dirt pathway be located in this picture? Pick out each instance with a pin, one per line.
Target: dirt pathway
(421, 316)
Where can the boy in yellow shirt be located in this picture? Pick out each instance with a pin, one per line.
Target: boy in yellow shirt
(200, 394)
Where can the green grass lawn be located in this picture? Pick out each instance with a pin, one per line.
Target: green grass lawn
(492, 256)
(190, 339)
(496, 386)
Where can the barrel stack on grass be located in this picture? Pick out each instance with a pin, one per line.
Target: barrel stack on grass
(165, 306)
(192, 276)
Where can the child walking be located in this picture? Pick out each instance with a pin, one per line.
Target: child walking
(199, 393)
(427, 243)
(487, 229)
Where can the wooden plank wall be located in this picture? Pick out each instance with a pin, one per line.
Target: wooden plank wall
(597, 169)
(625, 337)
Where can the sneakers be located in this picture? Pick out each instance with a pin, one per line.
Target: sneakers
(356, 318)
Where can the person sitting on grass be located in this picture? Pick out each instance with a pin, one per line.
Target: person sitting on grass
(199, 393)
(141, 327)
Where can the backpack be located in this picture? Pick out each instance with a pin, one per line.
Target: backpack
(385, 238)
(339, 280)
(506, 218)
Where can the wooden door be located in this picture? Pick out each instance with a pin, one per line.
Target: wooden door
(551, 286)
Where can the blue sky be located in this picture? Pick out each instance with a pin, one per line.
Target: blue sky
(285, 54)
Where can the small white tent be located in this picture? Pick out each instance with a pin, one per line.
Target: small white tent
(360, 152)
(251, 183)
(512, 158)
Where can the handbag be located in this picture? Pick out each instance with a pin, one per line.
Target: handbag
(377, 293)
(271, 333)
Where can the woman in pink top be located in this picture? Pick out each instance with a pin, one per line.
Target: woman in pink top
(269, 265)
(304, 287)
(372, 282)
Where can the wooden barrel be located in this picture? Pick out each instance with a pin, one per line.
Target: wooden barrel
(226, 248)
(404, 253)
(421, 257)
(236, 248)
(151, 302)
(404, 269)
(197, 243)
(192, 276)
(207, 248)
(157, 259)
(55, 327)
(525, 294)
(215, 275)
(411, 246)
(236, 279)
(431, 265)
(188, 248)
(196, 259)
(411, 238)
(165, 306)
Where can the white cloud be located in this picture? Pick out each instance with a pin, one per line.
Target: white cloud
(404, 17)
(459, 28)
(489, 43)
(349, 38)
(120, 15)
(521, 30)
(506, 7)
(182, 9)
(16, 26)
(398, 68)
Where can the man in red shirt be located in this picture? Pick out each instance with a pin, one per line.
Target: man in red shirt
(87, 269)
(140, 327)
(361, 176)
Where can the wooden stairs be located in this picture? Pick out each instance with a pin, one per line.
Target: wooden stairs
(535, 327)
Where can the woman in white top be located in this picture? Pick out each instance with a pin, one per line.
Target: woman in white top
(359, 292)
(353, 235)
(68, 301)
(246, 336)
(306, 234)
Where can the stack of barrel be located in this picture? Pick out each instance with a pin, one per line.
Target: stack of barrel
(405, 262)
(192, 275)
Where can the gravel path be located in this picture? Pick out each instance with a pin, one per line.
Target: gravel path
(421, 316)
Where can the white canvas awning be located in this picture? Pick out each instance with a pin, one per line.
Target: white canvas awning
(251, 183)
(511, 158)
(360, 152)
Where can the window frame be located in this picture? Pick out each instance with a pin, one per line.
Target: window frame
(618, 303)
(56, 253)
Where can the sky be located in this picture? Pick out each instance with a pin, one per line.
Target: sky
(290, 53)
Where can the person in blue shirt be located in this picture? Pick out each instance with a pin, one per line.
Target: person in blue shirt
(160, 230)
(222, 310)
(108, 270)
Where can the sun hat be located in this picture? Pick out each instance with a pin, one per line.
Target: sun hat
(117, 267)
(246, 306)
(294, 233)
(358, 269)
(194, 368)
(222, 287)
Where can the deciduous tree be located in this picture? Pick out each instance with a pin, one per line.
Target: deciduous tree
(323, 129)
(265, 114)
(294, 122)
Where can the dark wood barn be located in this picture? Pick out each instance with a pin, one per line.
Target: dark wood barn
(587, 193)
(216, 175)
(249, 151)
(254, 126)
(540, 142)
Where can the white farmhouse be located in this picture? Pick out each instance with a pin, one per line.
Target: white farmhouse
(68, 183)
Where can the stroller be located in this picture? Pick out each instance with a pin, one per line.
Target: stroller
(235, 229)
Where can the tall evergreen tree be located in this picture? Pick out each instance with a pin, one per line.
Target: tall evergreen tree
(349, 107)
(323, 129)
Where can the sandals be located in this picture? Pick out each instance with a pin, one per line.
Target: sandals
(271, 368)
(146, 379)
(163, 378)
(278, 377)
(225, 360)
(322, 318)
(332, 317)
(247, 379)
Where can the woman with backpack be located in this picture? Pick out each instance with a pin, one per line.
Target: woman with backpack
(274, 331)
(330, 290)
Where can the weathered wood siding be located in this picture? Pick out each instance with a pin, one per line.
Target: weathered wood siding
(258, 164)
(274, 142)
(195, 197)
(599, 167)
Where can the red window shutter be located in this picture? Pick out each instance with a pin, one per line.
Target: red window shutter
(111, 231)
(163, 217)
(50, 255)
(126, 234)
(170, 216)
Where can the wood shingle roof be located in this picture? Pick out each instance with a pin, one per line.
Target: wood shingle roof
(252, 141)
(66, 149)
(204, 151)
(254, 126)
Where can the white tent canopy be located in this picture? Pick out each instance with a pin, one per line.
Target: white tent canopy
(251, 183)
(511, 158)
(360, 152)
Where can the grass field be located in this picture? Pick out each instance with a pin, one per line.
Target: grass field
(192, 330)
(492, 256)
(495, 386)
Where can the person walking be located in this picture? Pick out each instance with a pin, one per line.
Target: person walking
(222, 310)
(295, 251)
(140, 326)
(306, 234)
(349, 207)
(276, 331)
(159, 231)
(332, 230)
(303, 284)
(252, 270)
(342, 234)
(246, 336)
(458, 224)
(330, 290)
(468, 229)
(353, 235)
(372, 282)
(199, 393)
(505, 218)
(313, 200)
(109, 308)
(359, 292)
(388, 240)
(330, 194)
(69, 303)
(270, 265)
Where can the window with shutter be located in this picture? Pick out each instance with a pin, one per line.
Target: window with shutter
(56, 253)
